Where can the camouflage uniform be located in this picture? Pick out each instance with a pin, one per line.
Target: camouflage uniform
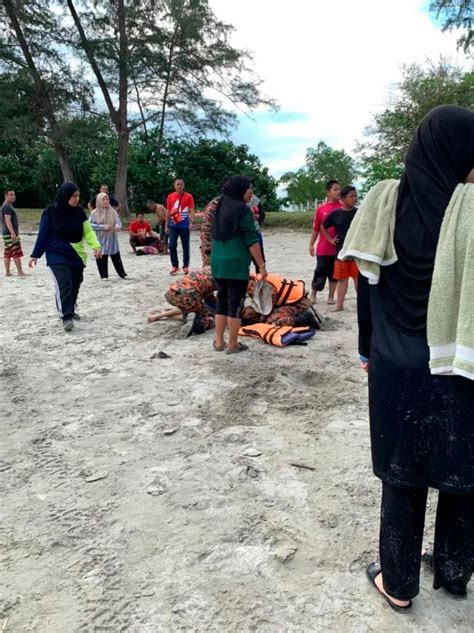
(189, 293)
(206, 231)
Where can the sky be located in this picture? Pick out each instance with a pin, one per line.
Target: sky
(330, 64)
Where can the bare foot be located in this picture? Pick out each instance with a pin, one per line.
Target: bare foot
(338, 309)
(379, 583)
(331, 301)
(8, 275)
(23, 274)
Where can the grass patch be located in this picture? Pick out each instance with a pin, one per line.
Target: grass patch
(298, 220)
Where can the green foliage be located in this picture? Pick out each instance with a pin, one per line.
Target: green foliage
(421, 89)
(322, 164)
(32, 169)
(457, 14)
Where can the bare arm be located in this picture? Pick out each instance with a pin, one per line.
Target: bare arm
(332, 240)
(312, 240)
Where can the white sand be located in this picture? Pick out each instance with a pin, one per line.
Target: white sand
(186, 532)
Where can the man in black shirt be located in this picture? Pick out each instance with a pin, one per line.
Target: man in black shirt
(341, 220)
(113, 200)
(10, 235)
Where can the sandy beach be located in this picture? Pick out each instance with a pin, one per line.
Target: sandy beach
(200, 492)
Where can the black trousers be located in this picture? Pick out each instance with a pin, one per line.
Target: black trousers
(103, 265)
(401, 536)
(230, 296)
(67, 281)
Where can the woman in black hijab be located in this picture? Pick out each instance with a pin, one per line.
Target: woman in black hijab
(422, 426)
(234, 242)
(63, 229)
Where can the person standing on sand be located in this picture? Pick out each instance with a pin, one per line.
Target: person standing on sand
(325, 252)
(421, 414)
(106, 224)
(10, 235)
(179, 219)
(234, 242)
(63, 229)
(341, 220)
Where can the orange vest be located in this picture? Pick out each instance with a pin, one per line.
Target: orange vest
(271, 334)
(287, 291)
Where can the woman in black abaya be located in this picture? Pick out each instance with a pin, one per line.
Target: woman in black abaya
(422, 426)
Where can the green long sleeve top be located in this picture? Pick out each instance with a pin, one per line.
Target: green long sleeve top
(231, 259)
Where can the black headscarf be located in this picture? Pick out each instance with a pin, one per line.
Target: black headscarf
(440, 156)
(66, 221)
(231, 208)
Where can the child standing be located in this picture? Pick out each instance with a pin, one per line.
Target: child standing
(340, 220)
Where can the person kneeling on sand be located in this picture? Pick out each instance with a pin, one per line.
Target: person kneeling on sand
(194, 302)
(141, 233)
(288, 303)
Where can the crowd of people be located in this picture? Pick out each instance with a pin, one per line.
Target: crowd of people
(410, 245)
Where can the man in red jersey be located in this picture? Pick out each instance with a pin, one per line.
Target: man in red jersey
(325, 251)
(179, 215)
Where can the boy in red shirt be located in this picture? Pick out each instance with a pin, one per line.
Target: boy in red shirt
(141, 233)
(325, 251)
(179, 215)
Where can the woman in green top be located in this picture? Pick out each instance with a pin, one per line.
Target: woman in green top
(234, 242)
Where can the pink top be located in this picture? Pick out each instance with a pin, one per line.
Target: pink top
(324, 247)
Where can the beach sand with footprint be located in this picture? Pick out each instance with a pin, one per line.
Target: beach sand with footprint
(200, 492)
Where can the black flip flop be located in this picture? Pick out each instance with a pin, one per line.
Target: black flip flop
(373, 570)
(242, 348)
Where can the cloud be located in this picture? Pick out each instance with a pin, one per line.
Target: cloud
(330, 65)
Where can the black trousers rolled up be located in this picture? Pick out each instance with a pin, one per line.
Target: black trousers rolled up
(103, 265)
(401, 537)
(67, 281)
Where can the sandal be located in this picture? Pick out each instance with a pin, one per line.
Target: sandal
(373, 570)
(218, 349)
(455, 588)
(241, 348)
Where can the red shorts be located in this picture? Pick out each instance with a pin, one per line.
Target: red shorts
(344, 270)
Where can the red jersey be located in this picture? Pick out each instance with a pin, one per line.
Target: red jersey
(324, 247)
(178, 205)
(142, 228)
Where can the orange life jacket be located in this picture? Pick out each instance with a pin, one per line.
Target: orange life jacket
(272, 334)
(287, 291)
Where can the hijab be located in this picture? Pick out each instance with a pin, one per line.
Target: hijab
(440, 156)
(231, 208)
(107, 215)
(66, 221)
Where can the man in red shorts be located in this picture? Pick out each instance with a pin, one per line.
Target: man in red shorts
(325, 251)
(340, 221)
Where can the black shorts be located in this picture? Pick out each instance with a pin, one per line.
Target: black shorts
(324, 270)
(230, 296)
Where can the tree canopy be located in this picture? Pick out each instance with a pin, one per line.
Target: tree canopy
(322, 163)
(457, 14)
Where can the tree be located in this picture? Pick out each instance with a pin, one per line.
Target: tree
(322, 164)
(421, 89)
(203, 164)
(172, 60)
(30, 24)
(457, 14)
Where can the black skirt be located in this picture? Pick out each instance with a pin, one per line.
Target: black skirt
(422, 426)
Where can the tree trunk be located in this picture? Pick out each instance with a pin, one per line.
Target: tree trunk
(161, 133)
(43, 94)
(123, 132)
